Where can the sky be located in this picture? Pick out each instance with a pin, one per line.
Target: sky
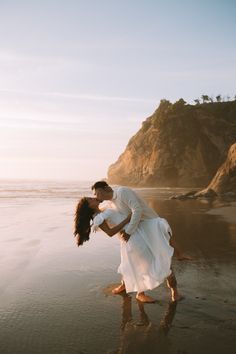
(78, 78)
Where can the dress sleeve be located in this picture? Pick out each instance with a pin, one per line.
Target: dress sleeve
(98, 220)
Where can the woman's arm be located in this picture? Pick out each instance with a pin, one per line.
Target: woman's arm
(112, 231)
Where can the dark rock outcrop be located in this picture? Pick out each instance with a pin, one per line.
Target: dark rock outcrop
(223, 183)
(178, 146)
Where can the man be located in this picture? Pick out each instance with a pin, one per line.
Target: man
(126, 201)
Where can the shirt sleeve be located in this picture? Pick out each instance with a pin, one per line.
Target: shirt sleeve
(131, 200)
(98, 220)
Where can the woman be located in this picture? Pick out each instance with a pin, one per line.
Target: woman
(145, 258)
(87, 209)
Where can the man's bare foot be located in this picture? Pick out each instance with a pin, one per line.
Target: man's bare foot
(175, 296)
(145, 298)
(119, 289)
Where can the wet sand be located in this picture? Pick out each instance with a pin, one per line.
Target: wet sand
(56, 298)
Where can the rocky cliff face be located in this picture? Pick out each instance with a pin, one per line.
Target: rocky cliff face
(223, 183)
(178, 146)
(225, 179)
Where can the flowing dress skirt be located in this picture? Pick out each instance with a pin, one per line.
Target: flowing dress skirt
(146, 257)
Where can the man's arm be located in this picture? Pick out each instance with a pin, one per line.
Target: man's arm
(130, 199)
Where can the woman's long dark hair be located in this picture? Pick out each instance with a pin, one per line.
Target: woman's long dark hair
(83, 216)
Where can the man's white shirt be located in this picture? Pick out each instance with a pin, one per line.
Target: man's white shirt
(126, 201)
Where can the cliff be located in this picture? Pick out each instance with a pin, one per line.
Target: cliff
(224, 181)
(180, 145)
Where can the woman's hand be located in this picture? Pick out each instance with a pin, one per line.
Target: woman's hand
(125, 236)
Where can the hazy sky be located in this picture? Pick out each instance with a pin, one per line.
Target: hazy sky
(77, 78)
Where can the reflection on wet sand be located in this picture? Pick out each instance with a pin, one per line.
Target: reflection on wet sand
(142, 336)
(196, 231)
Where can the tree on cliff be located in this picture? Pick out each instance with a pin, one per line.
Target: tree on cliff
(179, 104)
(205, 98)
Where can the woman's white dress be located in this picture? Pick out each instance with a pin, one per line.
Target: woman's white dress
(146, 257)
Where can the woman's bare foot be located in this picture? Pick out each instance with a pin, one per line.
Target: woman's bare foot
(145, 298)
(119, 289)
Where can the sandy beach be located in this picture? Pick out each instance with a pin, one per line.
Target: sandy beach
(56, 298)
